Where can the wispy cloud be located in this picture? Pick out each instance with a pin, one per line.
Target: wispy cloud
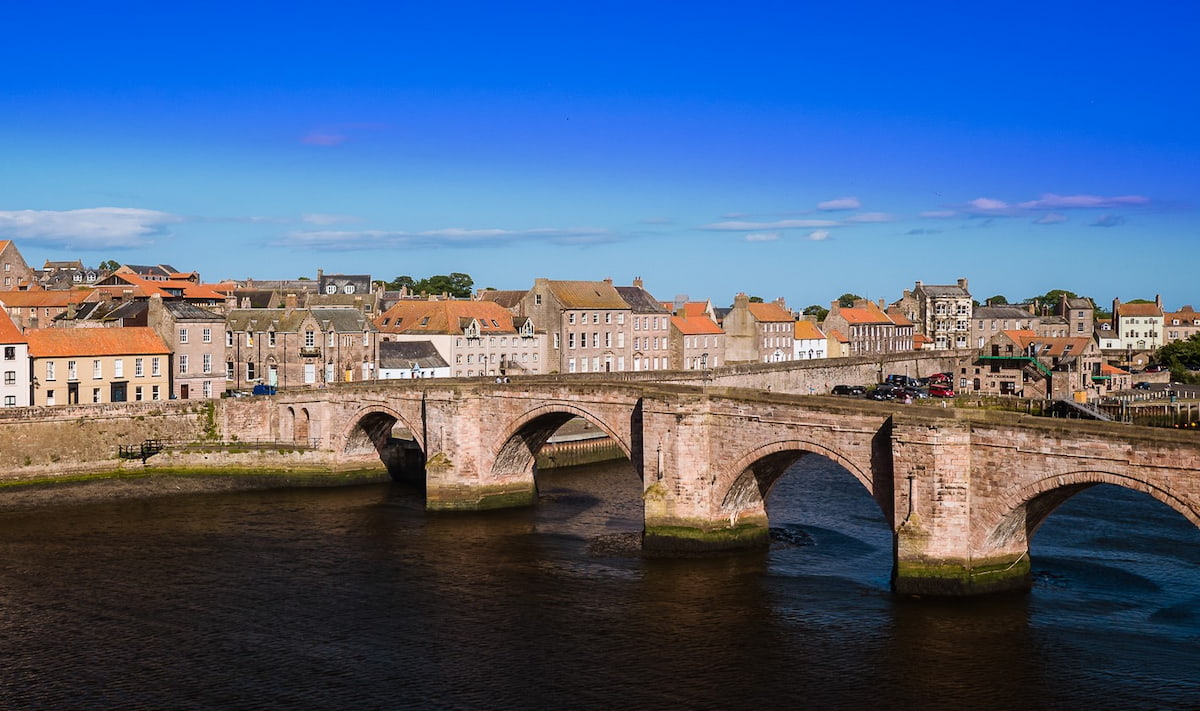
(920, 231)
(818, 235)
(324, 240)
(762, 237)
(1050, 201)
(940, 214)
(338, 134)
(1051, 218)
(88, 228)
(870, 217)
(1107, 221)
(656, 221)
(846, 203)
(323, 139)
(317, 218)
(748, 226)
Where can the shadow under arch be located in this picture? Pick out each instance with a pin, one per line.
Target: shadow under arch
(757, 472)
(1025, 509)
(372, 431)
(516, 456)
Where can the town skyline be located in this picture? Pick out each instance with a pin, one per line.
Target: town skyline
(800, 153)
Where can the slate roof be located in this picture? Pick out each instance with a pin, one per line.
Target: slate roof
(640, 301)
(401, 355)
(953, 290)
(1001, 311)
(290, 321)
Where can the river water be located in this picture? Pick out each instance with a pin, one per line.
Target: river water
(359, 598)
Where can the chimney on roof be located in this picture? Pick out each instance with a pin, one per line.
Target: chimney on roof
(637, 281)
(608, 280)
(882, 304)
(290, 301)
(72, 310)
(962, 283)
(919, 284)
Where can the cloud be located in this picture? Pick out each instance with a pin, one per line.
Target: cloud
(88, 228)
(939, 214)
(317, 218)
(326, 240)
(1107, 221)
(919, 231)
(818, 235)
(870, 217)
(988, 204)
(323, 139)
(846, 203)
(1050, 218)
(762, 237)
(746, 226)
(656, 221)
(1050, 201)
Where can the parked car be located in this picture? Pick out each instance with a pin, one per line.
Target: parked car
(939, 378)
(941, 391)
(1154, 368)
(849, 390)
(1142, 385)
(881, 394)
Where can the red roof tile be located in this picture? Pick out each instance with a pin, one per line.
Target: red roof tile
(66, 342)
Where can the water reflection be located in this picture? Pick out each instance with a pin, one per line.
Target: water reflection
(359, 598)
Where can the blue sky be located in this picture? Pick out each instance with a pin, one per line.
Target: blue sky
(781, 149)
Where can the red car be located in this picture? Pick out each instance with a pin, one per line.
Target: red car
(941, 391)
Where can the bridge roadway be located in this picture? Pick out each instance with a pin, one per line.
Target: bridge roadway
(963, 490)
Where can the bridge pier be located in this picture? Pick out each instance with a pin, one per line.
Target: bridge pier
(920, 571)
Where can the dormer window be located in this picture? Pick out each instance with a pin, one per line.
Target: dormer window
(331, 289)
(349, 289)
(425, 321)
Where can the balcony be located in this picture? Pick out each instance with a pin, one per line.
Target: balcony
(310, 351)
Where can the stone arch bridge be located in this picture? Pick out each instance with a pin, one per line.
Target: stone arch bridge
(962, 490)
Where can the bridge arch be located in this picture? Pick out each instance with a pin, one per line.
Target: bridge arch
(1023, 510)
(527, 433)
(744, 486)
(369, 433)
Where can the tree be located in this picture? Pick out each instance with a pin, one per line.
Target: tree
(816, 310)
(847, 300)
(1181, 356)
(1048, 302)
(756, 299)
(455, 284)
(110, 265)
(997, 300)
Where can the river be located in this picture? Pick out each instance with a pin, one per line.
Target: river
(358, 598)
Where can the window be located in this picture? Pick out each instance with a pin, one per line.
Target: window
(206, 335)
(366, 338)
(348, 289)
(571, 318)
(154, 392)
(72, 371)
(183, 335)
(271, 339)
(207, 363)
(206, 388)
(571, 340)
(119, 368)
(10, 353)
(137, 393)
(557, 341)
(139, 369)
(537, 299)
(596, 317)
(97, 370)
(156, 366)
(229, 370)
(310, 373)
(249, 338)
(250, 370)
(95, 394)
(229, 338)
(595, 339)
(183, 363)
(310, 339)
(10, 377)
(49, 370)
(331, 289)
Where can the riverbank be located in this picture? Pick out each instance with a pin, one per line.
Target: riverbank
(150, 484)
